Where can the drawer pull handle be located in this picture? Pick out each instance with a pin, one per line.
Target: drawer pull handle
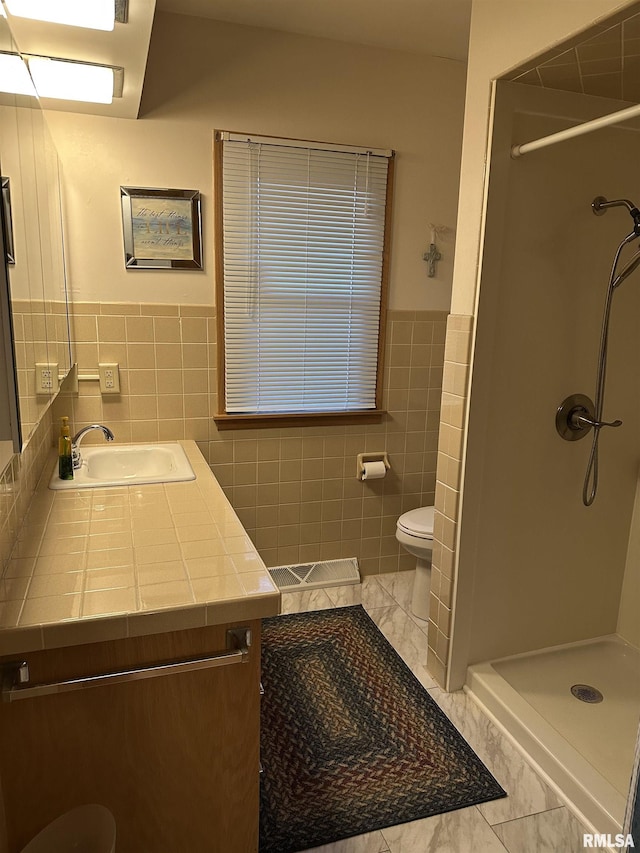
(16, 685)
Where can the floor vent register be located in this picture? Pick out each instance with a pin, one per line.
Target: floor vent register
(312, 575)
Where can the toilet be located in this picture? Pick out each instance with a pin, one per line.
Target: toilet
(414, 531)
(86, 829)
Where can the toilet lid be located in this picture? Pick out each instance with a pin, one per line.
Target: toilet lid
(418, 522)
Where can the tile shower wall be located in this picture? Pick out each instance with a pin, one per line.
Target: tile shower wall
(454, 396)
(295, 489)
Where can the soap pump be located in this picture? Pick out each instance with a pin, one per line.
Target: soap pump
(65, 461)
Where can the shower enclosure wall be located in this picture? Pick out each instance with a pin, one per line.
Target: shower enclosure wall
(537, 569)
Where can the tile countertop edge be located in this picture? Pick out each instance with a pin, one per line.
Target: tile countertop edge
(17, 639)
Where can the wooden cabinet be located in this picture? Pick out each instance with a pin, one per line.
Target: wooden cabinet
(175, 758)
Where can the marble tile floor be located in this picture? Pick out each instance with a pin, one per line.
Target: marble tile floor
(531, 819)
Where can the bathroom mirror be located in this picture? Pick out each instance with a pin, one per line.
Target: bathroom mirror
(37, 324)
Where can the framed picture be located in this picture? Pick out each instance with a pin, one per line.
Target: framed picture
(162, 228)
(8, 223)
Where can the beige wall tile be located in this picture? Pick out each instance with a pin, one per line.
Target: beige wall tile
(442, 646)
(437, 668)
(194, 330)
(167, 329)
(141, 355)
(156, 310)
(170, 381)
(446, 586)
(86, 355)
(127, 308)
(111, 329)
(141, 381)
(170, 406)
(196, 381)
(453, 410)
(145, 431)
(84, 330)
(168, 356)
(144, 408)
(194, 355)
(139, 329)
(114, 352)
(460, 322)
(298, 481)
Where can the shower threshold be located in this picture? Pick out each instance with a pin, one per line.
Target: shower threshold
(584, 747)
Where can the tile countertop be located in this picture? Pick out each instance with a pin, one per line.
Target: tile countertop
(92, 565)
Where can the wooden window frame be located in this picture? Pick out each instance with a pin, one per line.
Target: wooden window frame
(225, 420)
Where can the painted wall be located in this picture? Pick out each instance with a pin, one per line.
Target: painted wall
(547, 569)
(204, 75)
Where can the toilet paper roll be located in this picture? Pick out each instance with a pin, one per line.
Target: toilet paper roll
(373, 470)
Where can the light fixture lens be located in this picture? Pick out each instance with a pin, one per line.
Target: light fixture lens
(93, 14)
(14, 77)
(72, 81)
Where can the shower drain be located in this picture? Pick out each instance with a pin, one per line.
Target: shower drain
(586, 693)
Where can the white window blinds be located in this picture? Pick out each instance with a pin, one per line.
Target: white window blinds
(303, 236)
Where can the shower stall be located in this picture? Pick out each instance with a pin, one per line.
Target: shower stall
(546, 620)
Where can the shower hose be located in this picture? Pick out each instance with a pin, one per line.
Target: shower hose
(590, 488)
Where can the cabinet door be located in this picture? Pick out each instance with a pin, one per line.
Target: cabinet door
(175, 757)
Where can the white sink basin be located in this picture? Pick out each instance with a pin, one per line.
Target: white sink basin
(127, 465)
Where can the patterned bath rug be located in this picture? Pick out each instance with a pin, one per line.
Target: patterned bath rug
(350, 740)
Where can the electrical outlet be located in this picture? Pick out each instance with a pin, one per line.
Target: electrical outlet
(109, 378)
(47, 378)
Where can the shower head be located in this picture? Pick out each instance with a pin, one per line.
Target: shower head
(600, 205)
(630, 266)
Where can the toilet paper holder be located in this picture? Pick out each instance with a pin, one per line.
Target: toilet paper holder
(371, 457)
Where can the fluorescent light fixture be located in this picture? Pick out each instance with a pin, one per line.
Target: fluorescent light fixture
(92, 14)
(14, 77)
(71, 81)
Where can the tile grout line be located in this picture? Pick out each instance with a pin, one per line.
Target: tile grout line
(525, 817)
(497, 837)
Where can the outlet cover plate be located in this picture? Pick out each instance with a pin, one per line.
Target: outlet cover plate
(109, 378)
(47, 378)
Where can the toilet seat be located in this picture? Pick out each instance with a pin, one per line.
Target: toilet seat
(418, 522)
(85, 829)
(414, 531)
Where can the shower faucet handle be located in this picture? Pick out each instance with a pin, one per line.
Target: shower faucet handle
(580, 419)
(576, 416)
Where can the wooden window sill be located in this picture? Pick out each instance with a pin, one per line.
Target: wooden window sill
(227, 421)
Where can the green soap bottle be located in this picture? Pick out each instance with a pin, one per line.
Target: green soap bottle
(65, 461)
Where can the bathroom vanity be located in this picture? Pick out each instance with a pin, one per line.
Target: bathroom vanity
(143, 698)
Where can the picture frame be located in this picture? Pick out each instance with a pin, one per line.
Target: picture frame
(10, 255)
(162, 228)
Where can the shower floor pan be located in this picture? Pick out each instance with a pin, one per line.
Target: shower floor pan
(585, 749)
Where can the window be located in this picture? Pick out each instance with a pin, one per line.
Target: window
(303, 249)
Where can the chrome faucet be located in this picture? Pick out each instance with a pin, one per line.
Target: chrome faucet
(77, 438)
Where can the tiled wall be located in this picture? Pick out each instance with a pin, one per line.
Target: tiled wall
(40, 335)
(294, 489)
(164, 353)
(17, 484)
(454, 398)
